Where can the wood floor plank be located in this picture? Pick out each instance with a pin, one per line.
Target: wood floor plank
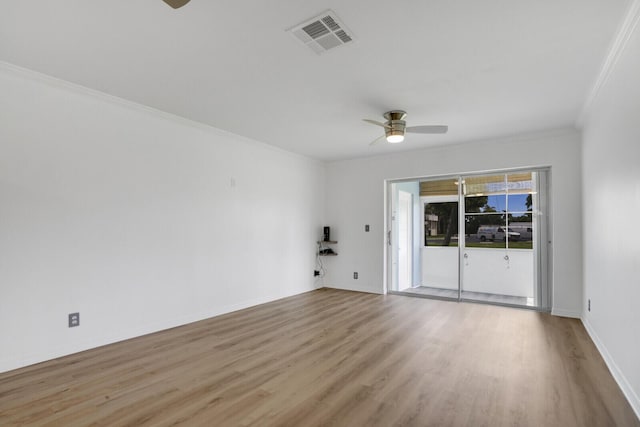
(332, 357)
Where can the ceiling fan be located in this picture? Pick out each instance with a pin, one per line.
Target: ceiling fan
(395, 127)
(176, 3)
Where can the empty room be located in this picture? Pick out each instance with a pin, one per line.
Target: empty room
(420, 213)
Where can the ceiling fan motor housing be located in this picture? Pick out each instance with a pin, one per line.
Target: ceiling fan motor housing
(395, 125)
(394, 128)
(395, 115)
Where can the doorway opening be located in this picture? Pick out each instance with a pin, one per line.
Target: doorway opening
(471, 237)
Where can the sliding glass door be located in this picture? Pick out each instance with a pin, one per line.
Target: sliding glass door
(499, 253)
(441, 238)
(480, 238)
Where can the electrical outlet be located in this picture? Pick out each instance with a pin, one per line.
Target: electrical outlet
(589, 304)
(74, 319)
(366, 228)
(316, 273)
(355, 275)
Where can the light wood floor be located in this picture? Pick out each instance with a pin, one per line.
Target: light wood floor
(332, 357)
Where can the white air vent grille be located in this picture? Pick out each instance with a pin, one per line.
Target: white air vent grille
(323, 32)
(331, 23)
(315, 30)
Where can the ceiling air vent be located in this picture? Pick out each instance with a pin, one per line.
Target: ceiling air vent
(323, 32)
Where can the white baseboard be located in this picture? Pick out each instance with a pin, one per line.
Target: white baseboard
(361, 288)
(566, 313)
(627, 390)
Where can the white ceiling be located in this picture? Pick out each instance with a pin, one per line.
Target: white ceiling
(486, 68)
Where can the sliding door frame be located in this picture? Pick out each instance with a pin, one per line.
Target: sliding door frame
(542, 267)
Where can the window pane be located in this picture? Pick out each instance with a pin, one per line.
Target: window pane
(441, 224)
(520, 235)
(487, 204)
(485, 231)
(485, 194)
(520, 203)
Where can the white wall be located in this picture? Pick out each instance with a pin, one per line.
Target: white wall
(355, 196)
(138, 220)
(611, 177)
(486, 270)
(440, 267)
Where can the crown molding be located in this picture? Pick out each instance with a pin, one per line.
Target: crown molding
(624, 33)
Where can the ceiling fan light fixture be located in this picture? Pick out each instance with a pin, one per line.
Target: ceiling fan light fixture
(395, 137)
(394, 130)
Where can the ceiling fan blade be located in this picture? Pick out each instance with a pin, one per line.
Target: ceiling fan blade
(375, 141)
(428, 129)
(176, 3)
(374, 122)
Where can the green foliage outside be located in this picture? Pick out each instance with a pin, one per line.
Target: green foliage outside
(527, 244)
(513, 244)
